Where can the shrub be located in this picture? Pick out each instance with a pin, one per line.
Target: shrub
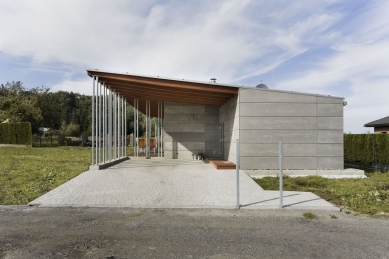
(16, 133)
(366, 148)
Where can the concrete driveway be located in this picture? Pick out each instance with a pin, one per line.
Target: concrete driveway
(166, 183)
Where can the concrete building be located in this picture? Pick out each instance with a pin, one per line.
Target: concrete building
(207, 117)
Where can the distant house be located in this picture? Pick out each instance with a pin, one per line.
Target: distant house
(380, 126)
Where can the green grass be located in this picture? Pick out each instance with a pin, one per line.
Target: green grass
(309, 215)
(366, 196)
(27, 173)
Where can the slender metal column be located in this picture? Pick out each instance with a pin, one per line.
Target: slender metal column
(124, 134)
(134, 141)
(97, 123)
(137, 127)
(114, 125)
(148, 129)
(125, 130)
(100, 123)
(162, 119)
(110, 124)
(93, 122)
(237, 173)
(157, 130)
(281, 176)
(103, 120)
(106, 122)
(118, 124)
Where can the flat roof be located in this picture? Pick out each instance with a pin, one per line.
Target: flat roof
(158, 89)
(162, 89)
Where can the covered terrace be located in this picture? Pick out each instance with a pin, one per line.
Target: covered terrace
(111, 93)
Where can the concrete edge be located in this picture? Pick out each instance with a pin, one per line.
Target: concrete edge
(229, 207)
(111, 163)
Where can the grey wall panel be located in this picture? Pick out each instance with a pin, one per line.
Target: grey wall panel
(216, 146)
(297, 163)
(188, 129)
(184, 127)
(232, 124)
(330, 163)
(257, 95)
(330, 150)
(212, 127)
(212, 136)
(185, 146)
(184, 136)
(278, 123)
(274, 136)
(330, 136)
(305, 123)
(184, 119)
(277, 109)
(212, 118)
(333, 123)
(268, 150)
(329, 100)
(231, 136)
(212, 110)
(187, 109)
(334, 110)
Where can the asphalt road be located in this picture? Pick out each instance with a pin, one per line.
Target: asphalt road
(33, 232)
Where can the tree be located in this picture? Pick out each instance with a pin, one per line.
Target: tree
(18, 105)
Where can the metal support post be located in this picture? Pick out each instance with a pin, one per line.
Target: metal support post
(97, 123)
(125, 115)
(114, 125)
(123, 133)
(134, 141)
(148, 129)
(109, 124)
(281, 177)
(237, 173)
(118, 124)
(103, 101)
(93, 122)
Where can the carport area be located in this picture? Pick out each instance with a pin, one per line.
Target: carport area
(171, 183)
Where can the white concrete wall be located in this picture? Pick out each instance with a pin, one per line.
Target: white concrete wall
(191, 129)
(311, 128)
(229, 116)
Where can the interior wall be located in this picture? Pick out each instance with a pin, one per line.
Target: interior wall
(311, 128)
(190, 129)
(229, 117)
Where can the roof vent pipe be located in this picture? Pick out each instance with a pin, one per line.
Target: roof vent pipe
(213, 80)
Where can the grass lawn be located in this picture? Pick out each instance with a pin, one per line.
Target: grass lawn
(27, 173)
(366, 196)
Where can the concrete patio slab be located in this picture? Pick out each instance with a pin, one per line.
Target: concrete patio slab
(167, 183)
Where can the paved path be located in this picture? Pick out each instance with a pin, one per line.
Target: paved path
(163, 183)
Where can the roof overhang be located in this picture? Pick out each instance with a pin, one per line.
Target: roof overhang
(156, 89)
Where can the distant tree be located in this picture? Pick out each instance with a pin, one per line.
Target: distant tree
(51, 107)
(17, 105)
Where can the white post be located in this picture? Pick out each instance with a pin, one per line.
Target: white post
(110, 124)
(123, 133)
(118, 124)
(281, 176)
(114, 125)
(237, 173)
(103, 122)
(93, 122)
(125, 127)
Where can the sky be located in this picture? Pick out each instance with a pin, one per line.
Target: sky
(330, 47)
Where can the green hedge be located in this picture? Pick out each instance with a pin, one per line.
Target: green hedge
(16, 133)
(366, 148)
